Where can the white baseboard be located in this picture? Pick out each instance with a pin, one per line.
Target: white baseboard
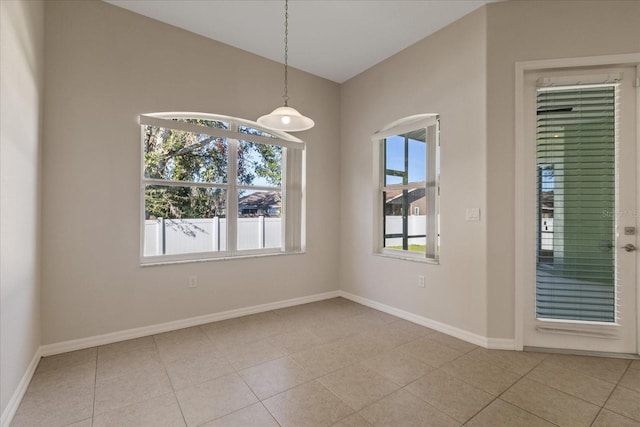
(501, 344)
(82, 343)
(482, 341)
(10, 411)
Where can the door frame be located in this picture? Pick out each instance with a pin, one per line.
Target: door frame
(524, 269)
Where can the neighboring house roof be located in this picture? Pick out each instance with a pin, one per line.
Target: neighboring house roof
(546, 200)
(270, 199)
(395, 196)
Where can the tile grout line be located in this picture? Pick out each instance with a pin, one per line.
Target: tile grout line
(571, 395)
(568, 394)
(512, 404)
(175, 396)
(146, 399)
(507, 389)
(403, 387)
(316, 379)
(424, 401)
(337, 397)
(360, 361)
(524, 376)
(492, 400)
(271, 413)
(95, 387)
(237, 372)
(438, 368)
(611, 394)
(577, 372)
(399, 386)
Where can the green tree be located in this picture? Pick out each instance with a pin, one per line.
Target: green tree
(174, 155)
(269, 165)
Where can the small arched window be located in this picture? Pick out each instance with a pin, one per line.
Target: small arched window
(216, 187)
(409, 191)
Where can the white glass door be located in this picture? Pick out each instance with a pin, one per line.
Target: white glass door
(583, 185)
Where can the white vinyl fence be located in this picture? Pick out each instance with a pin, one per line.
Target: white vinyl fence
(546, 234)
(189, 235)
(192, 235)
(417, 226)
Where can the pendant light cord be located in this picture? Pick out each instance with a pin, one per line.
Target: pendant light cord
(286, 118)
(286, 52)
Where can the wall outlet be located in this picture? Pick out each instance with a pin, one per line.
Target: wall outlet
(193, 281)
(421, 281)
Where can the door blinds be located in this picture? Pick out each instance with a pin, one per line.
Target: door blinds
(576, 164)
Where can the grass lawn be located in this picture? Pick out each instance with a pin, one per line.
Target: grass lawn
(412, 248)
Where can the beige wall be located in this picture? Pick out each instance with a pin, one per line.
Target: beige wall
(105, 66)
(21, 59)
(526, 31)
(465, 72)
(445, 74)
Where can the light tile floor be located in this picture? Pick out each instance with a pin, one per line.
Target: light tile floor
(330, 363)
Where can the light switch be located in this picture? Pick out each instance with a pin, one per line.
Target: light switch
(473, 214)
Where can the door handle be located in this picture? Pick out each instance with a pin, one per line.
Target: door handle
(629, 247)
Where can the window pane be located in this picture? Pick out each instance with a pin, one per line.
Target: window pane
(405, 158)
(393, 180)
(417, 159)
(259, 164)
(187, 177)
(259, 220)
(181, 220)
(395, 153)
(184, 156)
(405, 232)
(410, 193)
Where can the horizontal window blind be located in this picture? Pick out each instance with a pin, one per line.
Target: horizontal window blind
(576, 163)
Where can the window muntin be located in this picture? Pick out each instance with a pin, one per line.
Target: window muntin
(409, 188)
(253, 131)
(194, 165)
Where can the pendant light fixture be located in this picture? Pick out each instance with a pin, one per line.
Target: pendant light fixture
(286, 118)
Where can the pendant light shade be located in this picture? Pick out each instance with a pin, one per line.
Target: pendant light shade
(286, 118)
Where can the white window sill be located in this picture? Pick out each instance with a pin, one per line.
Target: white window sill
(407, 257)
(156, 262)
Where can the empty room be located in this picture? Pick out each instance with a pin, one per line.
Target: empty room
(319, 213)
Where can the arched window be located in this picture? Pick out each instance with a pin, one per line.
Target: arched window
(216, 187)
(408, 170)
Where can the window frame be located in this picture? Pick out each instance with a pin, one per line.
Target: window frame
(292, 187)
(431, 123)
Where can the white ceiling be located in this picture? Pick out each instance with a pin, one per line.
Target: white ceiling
(334, 39)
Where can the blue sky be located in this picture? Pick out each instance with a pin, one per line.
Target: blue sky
(395, 159)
